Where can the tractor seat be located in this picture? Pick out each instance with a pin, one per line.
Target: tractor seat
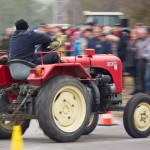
(20, 69)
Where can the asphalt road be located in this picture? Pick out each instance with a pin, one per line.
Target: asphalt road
(103, 138)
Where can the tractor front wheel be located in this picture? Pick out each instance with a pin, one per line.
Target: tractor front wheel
(137, 116)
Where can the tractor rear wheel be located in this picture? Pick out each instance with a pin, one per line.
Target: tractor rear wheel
(92, 124)
(63, 109)
(6, 127)
(137, 116)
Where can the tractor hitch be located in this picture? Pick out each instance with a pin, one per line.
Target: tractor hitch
(117, 107)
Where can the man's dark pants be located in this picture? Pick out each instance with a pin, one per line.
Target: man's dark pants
(140, 75)
(48, 59)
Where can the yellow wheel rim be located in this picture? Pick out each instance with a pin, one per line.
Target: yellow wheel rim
(69, 108)
(142, 116)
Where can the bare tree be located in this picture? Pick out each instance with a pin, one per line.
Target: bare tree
(141, 12)
(74, 11)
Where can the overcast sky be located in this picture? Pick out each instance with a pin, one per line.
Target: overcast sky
(45, 1)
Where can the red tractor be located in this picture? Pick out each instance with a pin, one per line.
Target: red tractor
(67, 98)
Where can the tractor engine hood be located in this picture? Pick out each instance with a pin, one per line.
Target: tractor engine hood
(106, 61)
(83, 60)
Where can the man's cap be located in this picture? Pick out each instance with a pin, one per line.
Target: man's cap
(88, 30)
(90, 23)
(103, 34)
(21, 24)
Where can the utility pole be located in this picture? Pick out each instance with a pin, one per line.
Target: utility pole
(59, 11)
(66, 11)
(75, 9)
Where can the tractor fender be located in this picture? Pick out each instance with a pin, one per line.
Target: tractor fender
(49, 71)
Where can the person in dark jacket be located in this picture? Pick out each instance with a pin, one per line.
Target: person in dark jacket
(123, 42)
(92, 41)
(23, 41)
(102, 45)
(131, 58)
(122, 46)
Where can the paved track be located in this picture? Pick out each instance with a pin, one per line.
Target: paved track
(103, 138)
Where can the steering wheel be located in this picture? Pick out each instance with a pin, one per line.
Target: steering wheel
(38, 47)
(55, 48)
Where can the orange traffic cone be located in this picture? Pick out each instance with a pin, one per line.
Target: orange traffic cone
(106, 119)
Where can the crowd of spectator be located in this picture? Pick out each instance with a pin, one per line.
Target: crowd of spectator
(132, 46)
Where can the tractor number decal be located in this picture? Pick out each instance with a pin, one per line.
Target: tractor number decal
(114, 64)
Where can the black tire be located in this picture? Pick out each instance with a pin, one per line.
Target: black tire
(136, 116)
(6, 133)
(6, 128)
(46, 111)
(92, 124)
